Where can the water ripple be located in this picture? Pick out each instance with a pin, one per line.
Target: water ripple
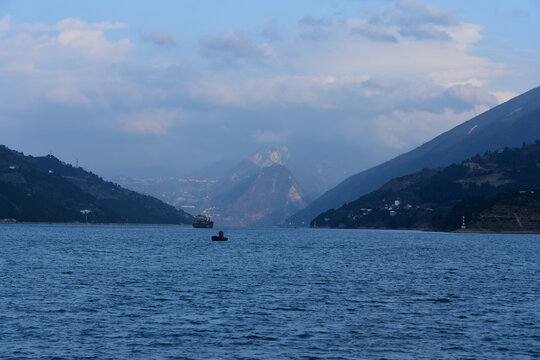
(109, 292)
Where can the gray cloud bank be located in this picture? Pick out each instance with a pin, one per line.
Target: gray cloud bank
(162, 38)
(360, 90)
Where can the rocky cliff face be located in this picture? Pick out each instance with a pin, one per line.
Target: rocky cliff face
(278, 155)
(258, 191)
(266, 198)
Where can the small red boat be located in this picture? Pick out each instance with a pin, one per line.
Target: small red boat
(219, 238)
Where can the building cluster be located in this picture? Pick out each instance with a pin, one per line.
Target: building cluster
(391, 209)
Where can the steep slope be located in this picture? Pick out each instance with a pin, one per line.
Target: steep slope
(431, 198)
(130, 206)
(196, 193)
(266, 198)
(28, 193)
(511, 211)
(509, 124)
(257, 191)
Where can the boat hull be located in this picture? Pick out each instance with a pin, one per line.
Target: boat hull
(206, 225)
(202, 222)
(219, 238)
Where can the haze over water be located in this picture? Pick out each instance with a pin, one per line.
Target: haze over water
(143, 292)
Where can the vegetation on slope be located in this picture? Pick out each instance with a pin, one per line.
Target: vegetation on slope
(46, 189)
(508, 124)
(439, 198)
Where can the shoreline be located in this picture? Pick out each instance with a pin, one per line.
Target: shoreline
(457, 231)
(488, 231)
(83, 223)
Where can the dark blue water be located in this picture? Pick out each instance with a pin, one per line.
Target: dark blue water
(121, 292)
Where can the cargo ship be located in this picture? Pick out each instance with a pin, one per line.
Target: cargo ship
(202, 221)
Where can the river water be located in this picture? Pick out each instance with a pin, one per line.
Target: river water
(165, 292)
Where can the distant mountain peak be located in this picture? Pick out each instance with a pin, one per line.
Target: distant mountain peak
(274, 155)
(265, 198)
(293, 195)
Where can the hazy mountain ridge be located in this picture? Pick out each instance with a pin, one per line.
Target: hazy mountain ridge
(264, 199)
(46, 189)
(477, 188)
(259, 190)
(508, 124)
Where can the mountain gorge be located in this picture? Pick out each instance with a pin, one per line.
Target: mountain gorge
(509, 124)
(269, 188)
(259, 190)
(265, 198)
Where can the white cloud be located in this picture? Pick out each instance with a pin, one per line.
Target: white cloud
(402, 130)
(68, 39)
(329, 72)
(472, 95)
(66, 25)
(233, 45)
(270, 137)
(503, 96)
(93, 43)
(150, 121)
(312, 91)
(71, 97)
(68, 63)
(77, 24)
(22, 67)
(5, 23)
(392, 79)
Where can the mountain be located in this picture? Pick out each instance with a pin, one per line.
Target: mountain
(30, 194)
(266, 198)
(46, 189)
(194, 192)
(259, 190)
(509, 124)
(188, 193)
(498, 185)
(199, 191)
(510, 211)
(313, 167)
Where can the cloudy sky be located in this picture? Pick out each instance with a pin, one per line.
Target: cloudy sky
(162, 88)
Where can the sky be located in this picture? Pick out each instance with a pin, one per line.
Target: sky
(163, 88)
